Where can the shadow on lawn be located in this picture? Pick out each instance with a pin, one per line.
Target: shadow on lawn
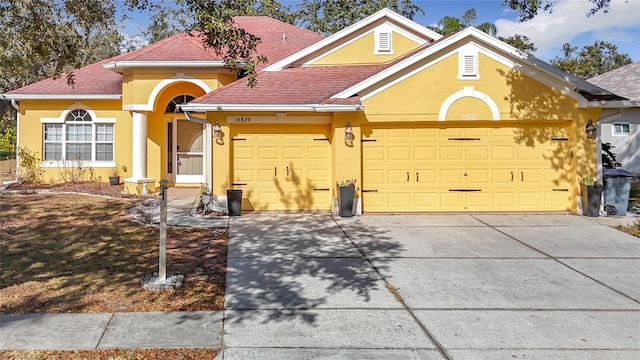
(291, 264)
(67, 253)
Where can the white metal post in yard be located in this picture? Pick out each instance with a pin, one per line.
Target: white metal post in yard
(162, 271)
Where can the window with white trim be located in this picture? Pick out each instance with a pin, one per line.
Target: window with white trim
(383, 41)
(620, 129)
(78, 138)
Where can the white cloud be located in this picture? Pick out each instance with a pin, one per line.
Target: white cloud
(569, 21)
(132, 42)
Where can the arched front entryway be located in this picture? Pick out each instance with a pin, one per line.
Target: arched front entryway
(180, 148)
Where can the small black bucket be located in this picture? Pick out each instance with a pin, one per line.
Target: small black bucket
(234, 202)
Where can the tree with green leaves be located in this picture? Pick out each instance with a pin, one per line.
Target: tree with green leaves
(528, 9)
(330, 16)
(520, 42)
(591, 60)
(450, 24)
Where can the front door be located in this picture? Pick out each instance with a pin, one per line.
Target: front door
(189, 152)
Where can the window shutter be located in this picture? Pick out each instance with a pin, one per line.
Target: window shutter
(384, 42)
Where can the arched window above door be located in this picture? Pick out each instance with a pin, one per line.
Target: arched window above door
(173, 108)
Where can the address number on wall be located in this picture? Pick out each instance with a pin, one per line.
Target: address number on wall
(240, 119)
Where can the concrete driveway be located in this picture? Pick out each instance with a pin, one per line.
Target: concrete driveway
(303, 286)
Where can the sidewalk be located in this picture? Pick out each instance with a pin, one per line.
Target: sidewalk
(111, 330)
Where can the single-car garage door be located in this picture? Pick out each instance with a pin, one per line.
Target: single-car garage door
(466, 169)
(282, 167)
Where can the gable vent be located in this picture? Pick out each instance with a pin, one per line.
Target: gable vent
(469, 65)
(383, 42)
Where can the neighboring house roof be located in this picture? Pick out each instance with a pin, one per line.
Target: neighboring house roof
(623, 81)
(304, 88)
(97, 80)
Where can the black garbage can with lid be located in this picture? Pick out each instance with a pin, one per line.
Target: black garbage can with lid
(617, 186)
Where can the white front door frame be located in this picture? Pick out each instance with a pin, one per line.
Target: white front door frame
(204, 178)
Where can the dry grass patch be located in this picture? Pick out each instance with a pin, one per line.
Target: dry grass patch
(633, 229)
(7, 170)
(75, 253)
(112, 354)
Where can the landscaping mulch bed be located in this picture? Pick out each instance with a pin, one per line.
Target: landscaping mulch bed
(113, 354)
(93, 188)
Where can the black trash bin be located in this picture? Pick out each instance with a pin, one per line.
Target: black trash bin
(234, 202)
(346, 200)
(617, 186)
(591, 199)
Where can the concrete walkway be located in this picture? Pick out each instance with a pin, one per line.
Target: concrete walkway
(307, 285)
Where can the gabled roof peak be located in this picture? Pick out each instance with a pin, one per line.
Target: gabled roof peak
(340, 35)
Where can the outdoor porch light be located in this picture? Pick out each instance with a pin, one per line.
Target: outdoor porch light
(348, 133)
(217, 131)
(590, 130)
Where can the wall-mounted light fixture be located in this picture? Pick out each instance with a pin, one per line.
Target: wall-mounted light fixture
(590, 129)
(348, 134)
(217, 131)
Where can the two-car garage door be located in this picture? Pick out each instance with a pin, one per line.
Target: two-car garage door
(466, 169)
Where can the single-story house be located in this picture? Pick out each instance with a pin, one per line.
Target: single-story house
(620, 122)
(421, 122)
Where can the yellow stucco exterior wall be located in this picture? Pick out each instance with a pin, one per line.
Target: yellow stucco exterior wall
(139, 86)
(361, 51)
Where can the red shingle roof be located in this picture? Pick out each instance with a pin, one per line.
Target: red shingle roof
(273, 45)
(95, 80)
(303, 85)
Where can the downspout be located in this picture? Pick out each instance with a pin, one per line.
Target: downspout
(208, 150)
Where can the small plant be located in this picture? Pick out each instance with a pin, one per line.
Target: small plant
(76, 172)
(349, 182)
(29, 171)
(589, 181)
(114, 172)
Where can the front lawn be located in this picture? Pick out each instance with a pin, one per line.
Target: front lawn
(76, 253)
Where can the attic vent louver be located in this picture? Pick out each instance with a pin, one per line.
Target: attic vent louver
(469, 65)
(383, 42)
(468, 59)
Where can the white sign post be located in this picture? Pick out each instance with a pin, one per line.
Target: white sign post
(162, 271)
